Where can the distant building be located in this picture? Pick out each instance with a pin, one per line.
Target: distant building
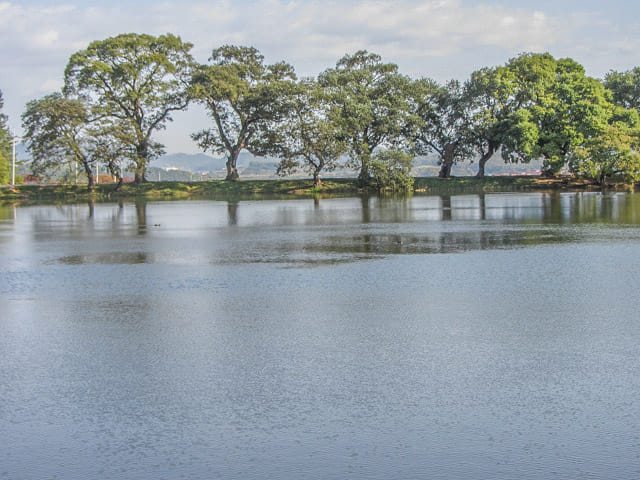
(31, 179)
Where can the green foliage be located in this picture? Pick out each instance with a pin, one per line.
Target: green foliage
(60, 134)
(369, 104)
(611, 153)
(134, 82)
(441, 117)
(120, 91)
(493, 97)
(625, 88)
(5, 147)
(520, 141)
(560, 109)
(5, 167)
(308, 138)
(246, 100)
(391, 170)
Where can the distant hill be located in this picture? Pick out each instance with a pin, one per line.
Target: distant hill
(427, 166)
(197, 162)
(250, 165)
(260, 169)
(200, 162)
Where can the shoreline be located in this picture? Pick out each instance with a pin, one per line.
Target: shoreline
(281, 189)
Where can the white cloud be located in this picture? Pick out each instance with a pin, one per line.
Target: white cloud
(46, 39)
(50, 85)
(438, 38)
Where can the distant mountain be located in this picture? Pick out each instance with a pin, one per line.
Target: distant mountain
(197, 162)
(260, 169)
(200, 162)
(251, 165)
(245, 159)
(427, 166)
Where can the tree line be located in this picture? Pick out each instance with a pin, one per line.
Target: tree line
(363, 113)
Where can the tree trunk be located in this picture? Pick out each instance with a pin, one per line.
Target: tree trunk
(142, 156)
(115, 172)
(364, 177)
(316, 179)
(140, 173)
(232, 170)
(602, 179)
(445, 170)
(483, 160)
(447, 160)
(90, 180)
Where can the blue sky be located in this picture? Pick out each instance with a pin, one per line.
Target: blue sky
(440, 39)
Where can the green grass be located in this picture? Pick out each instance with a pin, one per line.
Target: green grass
(222, 190)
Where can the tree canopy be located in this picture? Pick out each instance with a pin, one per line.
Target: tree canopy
(491, 96)
(245, 99)
(443, 124)
(560, 109)
(625, 88)
(308, 138)
(135, 81)
(362, 114)
(370, 105)
(60, 132)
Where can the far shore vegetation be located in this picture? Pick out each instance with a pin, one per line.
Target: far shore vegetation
(362, 115)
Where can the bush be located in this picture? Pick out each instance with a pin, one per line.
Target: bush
(391, 170)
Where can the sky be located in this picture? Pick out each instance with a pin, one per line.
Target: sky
(440, 39)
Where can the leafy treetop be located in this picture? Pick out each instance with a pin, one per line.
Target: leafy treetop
(136, 81)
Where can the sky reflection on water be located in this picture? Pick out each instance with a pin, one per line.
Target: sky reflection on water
(470, 336)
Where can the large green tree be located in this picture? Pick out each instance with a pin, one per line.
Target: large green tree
(493, 96)
(613, 152)
(61, 133)
(443, 122)
(308, 138)
(370, 104)
(245, 98)
(499, 99)
(134, 81)
(573, 111)
(561, 109)
(5, 146)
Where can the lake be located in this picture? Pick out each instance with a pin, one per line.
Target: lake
(487, 336)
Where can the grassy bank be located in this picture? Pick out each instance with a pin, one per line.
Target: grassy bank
(221, 190)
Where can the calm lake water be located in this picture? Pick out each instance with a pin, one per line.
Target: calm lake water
(462, 337)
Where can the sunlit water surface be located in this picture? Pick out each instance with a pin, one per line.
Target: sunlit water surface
(464, 337)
